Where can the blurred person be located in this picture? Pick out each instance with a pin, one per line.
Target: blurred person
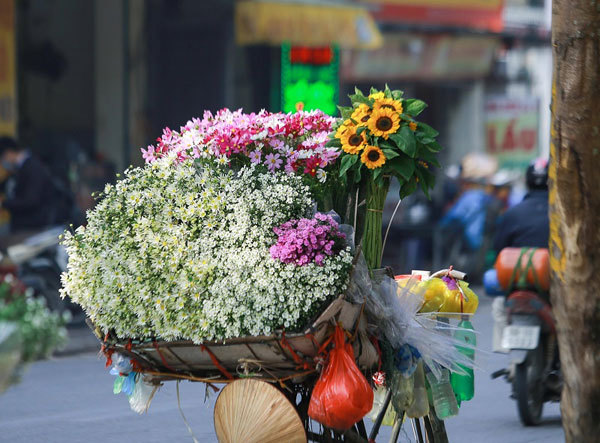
(469, 212)
(526, 224)
(464, 233)
(32, 196)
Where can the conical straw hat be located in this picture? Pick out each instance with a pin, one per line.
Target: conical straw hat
(253, 411)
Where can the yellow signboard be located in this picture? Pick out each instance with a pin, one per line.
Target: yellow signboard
(8, 93)
(306, 25)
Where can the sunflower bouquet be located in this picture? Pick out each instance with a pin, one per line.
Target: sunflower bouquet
(380, 139)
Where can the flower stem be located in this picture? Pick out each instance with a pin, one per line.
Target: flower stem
(371, 240)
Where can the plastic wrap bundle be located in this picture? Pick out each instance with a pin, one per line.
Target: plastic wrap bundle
(395, 312)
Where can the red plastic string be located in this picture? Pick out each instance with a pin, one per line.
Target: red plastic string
(217, 363)
(135, 365)
(108, 355)
(378, 349)
(285, 344)
(161, 356)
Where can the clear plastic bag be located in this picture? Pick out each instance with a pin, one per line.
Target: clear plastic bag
(378, 400)
(142, 395)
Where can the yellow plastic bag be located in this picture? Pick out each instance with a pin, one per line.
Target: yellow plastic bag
(434, 295)
(452, 302)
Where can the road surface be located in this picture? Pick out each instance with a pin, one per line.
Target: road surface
(70, 400)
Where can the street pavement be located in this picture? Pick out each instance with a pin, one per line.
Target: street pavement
(69, 399)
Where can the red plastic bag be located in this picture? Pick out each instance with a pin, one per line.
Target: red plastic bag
(342, 395)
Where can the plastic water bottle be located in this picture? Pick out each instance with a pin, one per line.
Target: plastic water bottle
(420, 404)
(444, 401)
(464, 385)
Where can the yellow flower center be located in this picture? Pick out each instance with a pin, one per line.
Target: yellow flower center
(384, 123)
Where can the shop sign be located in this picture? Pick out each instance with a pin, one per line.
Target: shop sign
(477, 14)
(511, 126)
(421, 57)
(298, 24)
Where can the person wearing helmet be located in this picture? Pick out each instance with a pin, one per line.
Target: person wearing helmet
(526, 224)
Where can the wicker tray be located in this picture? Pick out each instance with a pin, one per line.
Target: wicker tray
(277, 356)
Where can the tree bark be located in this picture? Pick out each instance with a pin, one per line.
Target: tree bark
(574, 181)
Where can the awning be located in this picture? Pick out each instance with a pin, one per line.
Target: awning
(477, 14)
(421, 57)
(305, 24)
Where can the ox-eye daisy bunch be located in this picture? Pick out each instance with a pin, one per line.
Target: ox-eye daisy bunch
(176, 251)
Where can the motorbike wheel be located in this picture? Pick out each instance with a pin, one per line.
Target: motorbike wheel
(528, 387)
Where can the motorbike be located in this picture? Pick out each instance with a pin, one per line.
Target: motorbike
(529, 337)
(40, 261)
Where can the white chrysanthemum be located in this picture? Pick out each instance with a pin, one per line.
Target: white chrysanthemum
(175, 252)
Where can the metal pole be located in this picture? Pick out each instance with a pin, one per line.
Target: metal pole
(379, 420)
(397, 427)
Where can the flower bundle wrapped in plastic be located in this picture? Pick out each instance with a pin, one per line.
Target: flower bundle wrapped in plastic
(380, 139)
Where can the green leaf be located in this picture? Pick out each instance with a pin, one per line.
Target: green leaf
(397, 94)
(414, 106)
(403, 166)
(358, 91)
(425, 140)
(434, 147)
(346, 111)
(383, 143)
(427, 130)
(377, 177)
(389, 153)
(373, 90)
(348, 160)
(428, 156)
(408, 188)
(428, 177)
(356, 98)
(405, 140)
(361, 129)
(334, 143)
(422, 182)
(387, 91)
(357, 174)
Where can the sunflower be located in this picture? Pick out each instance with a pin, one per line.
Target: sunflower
(361, 114)
(343, 128)
(412, 126)
(377, 95)
(388, 103)
(353, 143)
(383, 122)
(372, 157)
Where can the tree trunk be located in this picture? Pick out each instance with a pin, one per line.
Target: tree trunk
(575, 211)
